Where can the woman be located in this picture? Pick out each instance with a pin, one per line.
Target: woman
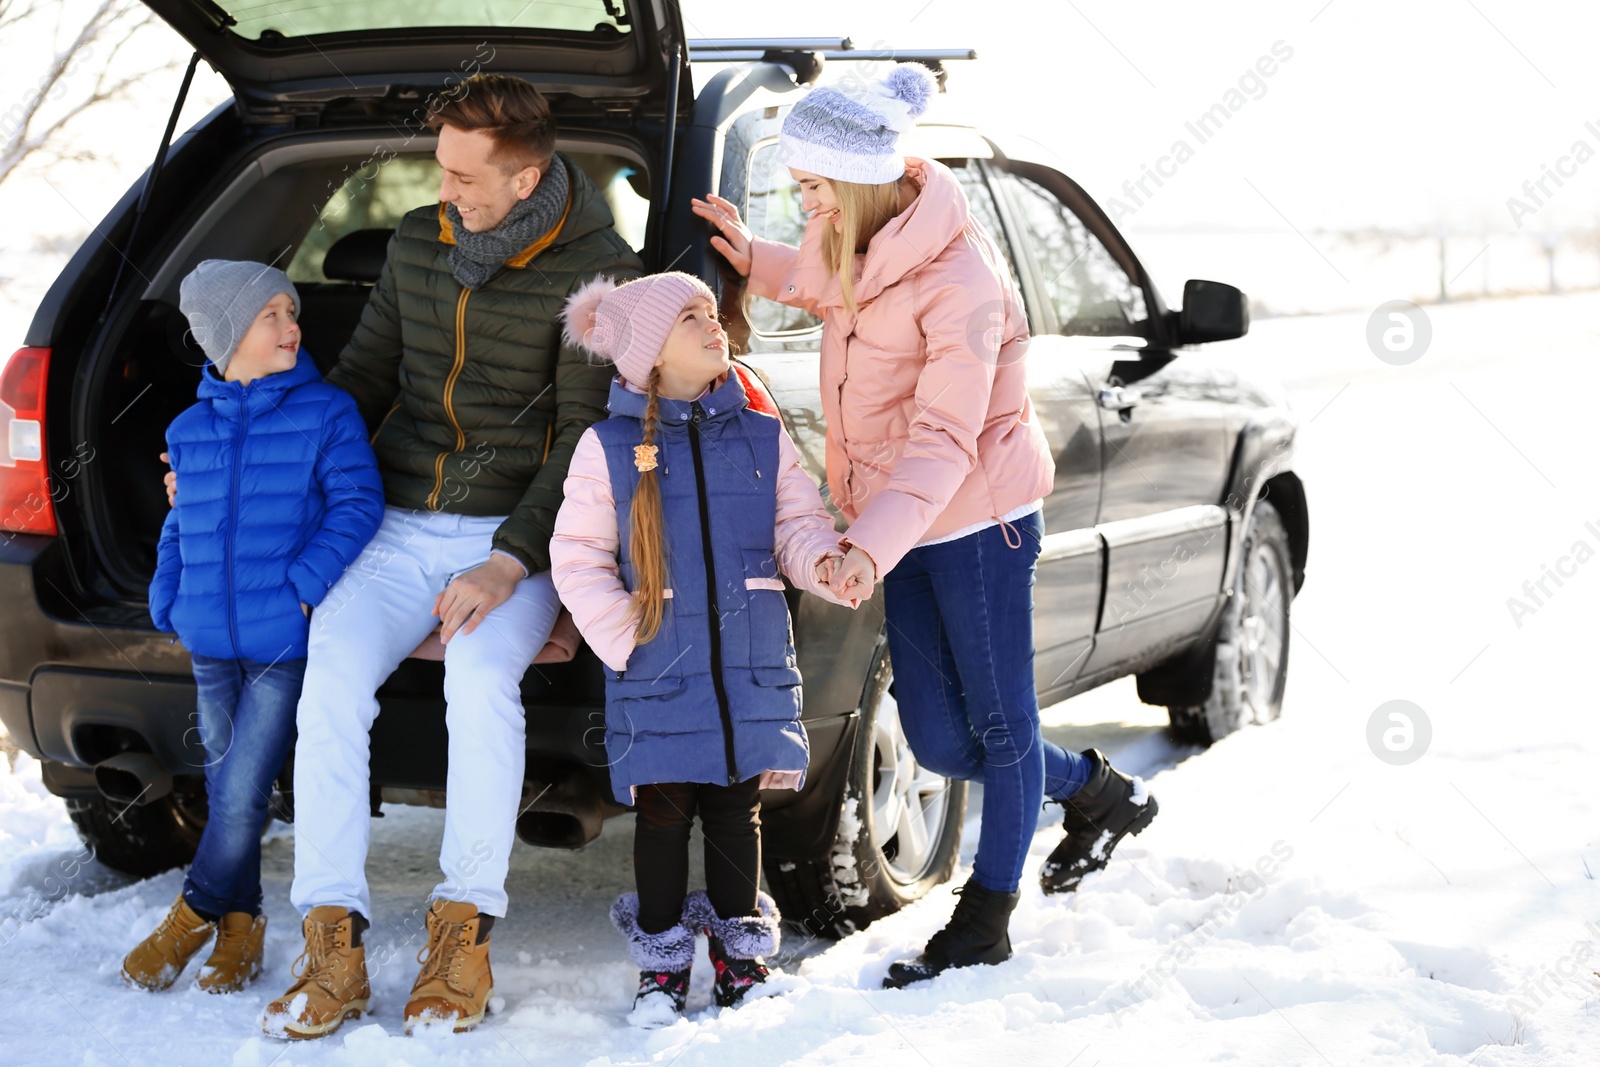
(934, 457)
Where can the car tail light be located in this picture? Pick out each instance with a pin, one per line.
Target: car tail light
(25, 501)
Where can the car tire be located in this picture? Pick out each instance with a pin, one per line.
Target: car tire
(868, 872)
(141, 840)
(1251, 649)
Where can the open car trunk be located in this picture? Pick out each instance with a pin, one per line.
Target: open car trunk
(290, 60)
(146, 365)
(327, 91)
(341, 84)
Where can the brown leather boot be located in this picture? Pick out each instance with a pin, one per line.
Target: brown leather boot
(156, 962)
(236, 957)
(332, 973)
(455, 983)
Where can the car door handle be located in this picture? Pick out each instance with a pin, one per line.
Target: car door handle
(1118, 397)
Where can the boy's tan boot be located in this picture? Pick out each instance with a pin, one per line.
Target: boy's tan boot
(455, 983)
(156, 962)
(332, 973)
(236, 957)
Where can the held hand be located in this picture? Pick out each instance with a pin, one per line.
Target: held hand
(467, 601)
(734, 244)
(305, 608)
(854, 576)
(822, 572)
(170, 480)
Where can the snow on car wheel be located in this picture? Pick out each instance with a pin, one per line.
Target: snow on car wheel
(1252, 643)
(899, 827)
(141, 839)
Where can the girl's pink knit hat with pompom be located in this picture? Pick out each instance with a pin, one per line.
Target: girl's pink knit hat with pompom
(628, 324)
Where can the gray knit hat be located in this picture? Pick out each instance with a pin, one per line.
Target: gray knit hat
(852, 133)
(221, 299)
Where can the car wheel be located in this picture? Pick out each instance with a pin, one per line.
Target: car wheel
(141, 840)
(899, 828)
(1252, 643)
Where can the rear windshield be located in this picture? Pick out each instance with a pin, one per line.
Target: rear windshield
(308, 18)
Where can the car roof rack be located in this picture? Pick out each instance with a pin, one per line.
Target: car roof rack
(806, 55)
(765, 44)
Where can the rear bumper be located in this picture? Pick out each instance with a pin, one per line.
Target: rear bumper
(77, 687)
(70, 678)
(55, 652)
(81, 717)
(40, 627)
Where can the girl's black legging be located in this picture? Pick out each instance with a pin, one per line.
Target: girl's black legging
(730, 819)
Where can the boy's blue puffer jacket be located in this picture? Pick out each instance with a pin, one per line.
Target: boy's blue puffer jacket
(278, 492)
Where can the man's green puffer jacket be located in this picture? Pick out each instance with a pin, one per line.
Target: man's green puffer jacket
(474, 403)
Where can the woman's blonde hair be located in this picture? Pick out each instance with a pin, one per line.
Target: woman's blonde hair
(863, 211)
(646, 537)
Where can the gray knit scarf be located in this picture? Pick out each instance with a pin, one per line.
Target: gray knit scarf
(477, 257)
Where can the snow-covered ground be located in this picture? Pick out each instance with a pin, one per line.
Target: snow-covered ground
(1300, 900)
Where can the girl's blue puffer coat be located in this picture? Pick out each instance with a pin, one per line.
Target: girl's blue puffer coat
(715, 696)
(278, 492)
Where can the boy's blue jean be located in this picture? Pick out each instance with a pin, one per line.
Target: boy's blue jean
(247, 725)
(960, 619)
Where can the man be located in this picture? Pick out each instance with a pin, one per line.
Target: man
(458, 368)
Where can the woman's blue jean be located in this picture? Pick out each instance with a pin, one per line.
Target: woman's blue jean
(960, 620)
(246, 712)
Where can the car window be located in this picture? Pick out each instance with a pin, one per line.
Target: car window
(1090, 292)
(980, 201)
(626, 191)
(373, 197)
(772, 211)
(258, 19)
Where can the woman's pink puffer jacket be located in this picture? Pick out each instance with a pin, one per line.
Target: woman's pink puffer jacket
(929, 426)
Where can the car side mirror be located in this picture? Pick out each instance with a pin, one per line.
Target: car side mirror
(1212, 311)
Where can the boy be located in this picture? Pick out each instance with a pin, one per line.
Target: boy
(280, 493)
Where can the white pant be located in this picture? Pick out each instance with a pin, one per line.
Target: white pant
(372, 618)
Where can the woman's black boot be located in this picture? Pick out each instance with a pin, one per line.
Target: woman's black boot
(976, 933)
(1109, 807)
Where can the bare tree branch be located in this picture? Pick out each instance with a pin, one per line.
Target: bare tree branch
(27, 129)
(12, 12)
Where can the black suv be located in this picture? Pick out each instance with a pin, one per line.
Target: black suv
(1176, 531)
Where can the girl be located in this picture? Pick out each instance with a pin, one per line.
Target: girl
(935, 458)
(680, 511)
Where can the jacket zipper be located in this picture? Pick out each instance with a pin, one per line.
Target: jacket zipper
(713, 617)
(449, 391)
(385, 421)
(849, 464)
(233, 518)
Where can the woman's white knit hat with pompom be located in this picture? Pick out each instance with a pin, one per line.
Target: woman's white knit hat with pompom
(851, 133)
(628, 324)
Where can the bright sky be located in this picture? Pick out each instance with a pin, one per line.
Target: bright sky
(1414, 115)
(1401, 114)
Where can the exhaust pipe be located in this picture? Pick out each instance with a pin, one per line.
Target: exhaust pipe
(131, 778)
(566, 814)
